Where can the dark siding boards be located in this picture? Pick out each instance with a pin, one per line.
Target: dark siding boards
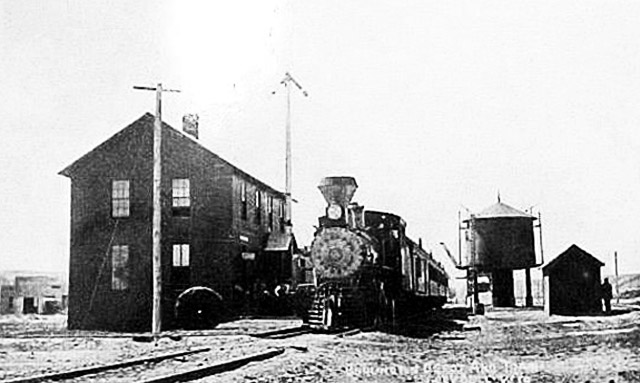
(574, 283)
(575, 290)
(92, 230)
(212, 228)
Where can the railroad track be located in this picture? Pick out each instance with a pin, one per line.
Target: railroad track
(198, 373)
(296, 331)
(180, 366)
(348, 332)
(284, 333)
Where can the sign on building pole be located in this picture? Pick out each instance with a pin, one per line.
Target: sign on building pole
(157, 210)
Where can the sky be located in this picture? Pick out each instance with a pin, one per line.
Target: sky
(434, 107)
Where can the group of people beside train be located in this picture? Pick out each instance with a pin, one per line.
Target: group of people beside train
(269, 298)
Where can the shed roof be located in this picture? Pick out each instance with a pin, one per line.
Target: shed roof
(500, 209)
(573, 254)
(146, 121)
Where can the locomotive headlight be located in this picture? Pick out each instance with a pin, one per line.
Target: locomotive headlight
(334, 211)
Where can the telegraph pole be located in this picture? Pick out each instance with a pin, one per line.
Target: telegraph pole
(615, 257)
(287, 81)
(157, 209)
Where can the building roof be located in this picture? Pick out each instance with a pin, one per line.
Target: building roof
(573, 254)
(146, 121)
(501, 210)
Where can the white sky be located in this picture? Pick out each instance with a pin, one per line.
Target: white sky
(429, 104)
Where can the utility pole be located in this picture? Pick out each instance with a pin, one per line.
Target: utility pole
(157, 209)
(459, 241)
(287, 81)
(541, 256)
(615, 258)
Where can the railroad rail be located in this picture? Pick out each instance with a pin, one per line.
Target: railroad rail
(301, 330)
(217, 368)
(284, 333)
(349, 332)
(142, 370)
(72, 374)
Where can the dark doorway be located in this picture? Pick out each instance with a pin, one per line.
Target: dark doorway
(29, 306)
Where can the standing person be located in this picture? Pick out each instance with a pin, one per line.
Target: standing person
(607, 295)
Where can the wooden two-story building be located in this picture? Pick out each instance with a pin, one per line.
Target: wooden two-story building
(221, 229)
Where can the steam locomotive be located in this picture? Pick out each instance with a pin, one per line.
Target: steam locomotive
(367, 271)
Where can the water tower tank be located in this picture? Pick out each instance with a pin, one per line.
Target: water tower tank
(500, 237)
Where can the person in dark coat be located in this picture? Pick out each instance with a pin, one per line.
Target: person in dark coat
(607, 295)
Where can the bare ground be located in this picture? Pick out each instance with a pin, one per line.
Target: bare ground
(507, 346)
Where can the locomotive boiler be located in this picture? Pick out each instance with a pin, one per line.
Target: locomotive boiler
(367, 271)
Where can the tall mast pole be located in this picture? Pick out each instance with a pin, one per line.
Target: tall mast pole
(287, 81)
(287, 214)
(156, 317)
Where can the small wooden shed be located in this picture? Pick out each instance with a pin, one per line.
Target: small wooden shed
(572, 283)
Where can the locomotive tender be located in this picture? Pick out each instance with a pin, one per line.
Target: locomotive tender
(367, 271)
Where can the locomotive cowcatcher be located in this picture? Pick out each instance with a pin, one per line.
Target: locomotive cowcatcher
(367, 272)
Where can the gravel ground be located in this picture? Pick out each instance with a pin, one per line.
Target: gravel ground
(32, 345)
(511, 346)
(508, 346)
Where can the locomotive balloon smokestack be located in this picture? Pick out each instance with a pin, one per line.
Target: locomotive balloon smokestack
(338, 190)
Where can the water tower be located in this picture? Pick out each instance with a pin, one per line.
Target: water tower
(499, 240)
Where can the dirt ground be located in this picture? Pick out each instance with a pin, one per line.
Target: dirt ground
(505, 345)
(511, 346)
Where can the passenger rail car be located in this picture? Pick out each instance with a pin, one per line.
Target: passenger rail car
(367, 271)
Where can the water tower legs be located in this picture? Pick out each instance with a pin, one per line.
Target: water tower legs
(529, 297)
(503, 294)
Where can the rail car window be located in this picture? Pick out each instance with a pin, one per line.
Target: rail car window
(407, 282)
(243, 200)
(270, 211)
(181, 255)
(120, 198)
(425, 275)
(420, 277)
(281, 214)
(438, 281)
(258, 216)
(119, 267)
(181, 194)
